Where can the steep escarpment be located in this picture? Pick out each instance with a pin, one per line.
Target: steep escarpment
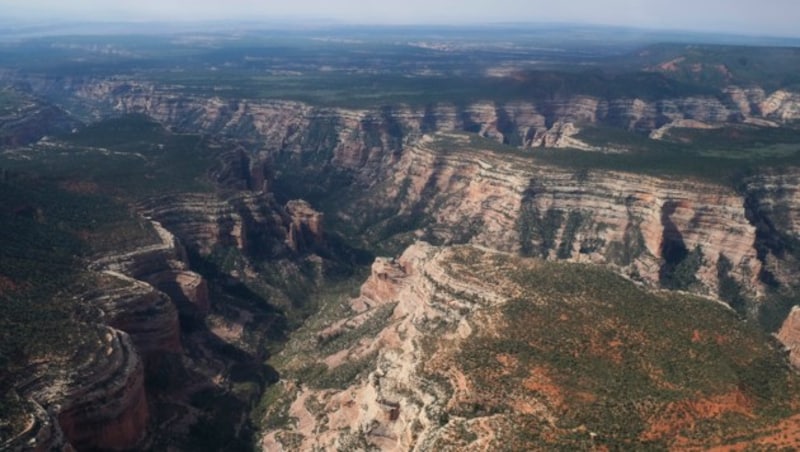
(163, 266)
(657, 229)
(95, 398)
(354, 134)
(467, 348)
(772, 202)
(111, 412)
(789, 335)
(148, 315)
(660, 230)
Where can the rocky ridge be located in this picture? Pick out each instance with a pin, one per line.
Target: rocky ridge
(397, 370)
(98, 398)
(467, 194)
(282, 125)
(394, 407)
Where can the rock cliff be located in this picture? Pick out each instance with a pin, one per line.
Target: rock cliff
(412, 163)
(250, 221)
(457, 193)
(95, 399)
(355, 134)
(789, 335)
(445, 348)
(148, 315)
(163, 266)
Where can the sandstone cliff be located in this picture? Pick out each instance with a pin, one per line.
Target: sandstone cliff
(465, 348)
(162, 265)
(356, 134)
(93, 400)
(679, 234)
(250, 221)
(461, 193)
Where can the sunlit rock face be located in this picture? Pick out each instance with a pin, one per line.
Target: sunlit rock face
(789, 335)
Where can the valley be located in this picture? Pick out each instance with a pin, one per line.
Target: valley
(283, 244)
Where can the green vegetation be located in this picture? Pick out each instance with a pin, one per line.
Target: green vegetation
(348, 337)
(723, 65)
(747, 150)
(730, 289)
(612, 358)
(680, 270)
(130, 157)
(574, 222)
(541, 229)
(47, 234)
(680, 160)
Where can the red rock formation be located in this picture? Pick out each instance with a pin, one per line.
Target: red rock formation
(305, 227)
(107, 408)
(187, 289)
(94, 400)
(146, 314)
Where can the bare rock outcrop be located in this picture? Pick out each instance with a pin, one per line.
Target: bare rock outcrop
(148, 315)
(305, 228)
(109, 412)
(163, 266)
(94, 400)
(631, 221)
(426, 358)
(251, 222)
(789, 335)
(385, 405)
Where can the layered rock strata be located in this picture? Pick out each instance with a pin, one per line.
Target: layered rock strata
(355, 134)
(98, 401)
(251, 222)
(163, 266)
(385, 405)
(411, 364)
(622, 219)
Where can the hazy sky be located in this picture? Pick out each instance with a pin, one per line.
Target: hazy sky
(774, 17)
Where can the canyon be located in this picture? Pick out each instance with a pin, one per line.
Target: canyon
(419, 163)
(500, 272)
(445, 347)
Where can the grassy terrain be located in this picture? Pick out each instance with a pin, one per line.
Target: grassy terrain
(638, 369)
(723, 163)
(374, 90)
(130, 157)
